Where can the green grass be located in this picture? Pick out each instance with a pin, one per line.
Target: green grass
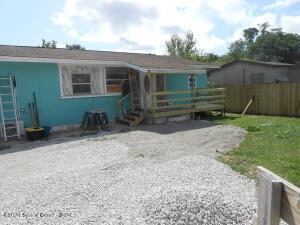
(272, 142)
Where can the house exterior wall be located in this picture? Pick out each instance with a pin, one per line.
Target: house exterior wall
(294, 74)
(43, 79)
(180, 82)
(240, 74)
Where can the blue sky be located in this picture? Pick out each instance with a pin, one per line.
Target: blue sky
(140, 26)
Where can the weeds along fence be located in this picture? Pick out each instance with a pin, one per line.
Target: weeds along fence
(269, 99)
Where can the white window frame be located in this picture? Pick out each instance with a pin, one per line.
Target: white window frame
(80, 95)
(106, 80)
(90, 84)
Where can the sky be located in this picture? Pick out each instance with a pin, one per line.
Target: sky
(140, 25)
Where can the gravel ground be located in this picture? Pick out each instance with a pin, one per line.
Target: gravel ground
(162, 174)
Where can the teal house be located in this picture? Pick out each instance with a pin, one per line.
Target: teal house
(66, 83)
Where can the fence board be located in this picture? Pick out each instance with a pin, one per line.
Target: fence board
(270, 99)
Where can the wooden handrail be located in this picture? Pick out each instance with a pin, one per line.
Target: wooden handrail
(188, 91)
(123, 98)
(120, 104)
(195, 98)
(189, 104)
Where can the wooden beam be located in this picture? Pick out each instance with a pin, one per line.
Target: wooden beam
(202, 90)
(249, 103)
(154, 97)
(195, 98)
(269, 199)
(289, 204)
(189, 104)
(186, 111)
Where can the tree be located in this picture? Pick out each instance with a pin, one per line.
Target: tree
(185, 48)
(276, 46)
(206, 57)
(263, 28)
(250, 33)
(48, 44)
(75, 47)
(237, 49)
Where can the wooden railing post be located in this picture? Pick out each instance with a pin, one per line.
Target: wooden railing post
(154, 97)
(215, 101)
(120, 104)
(277, 199)
(269, 200)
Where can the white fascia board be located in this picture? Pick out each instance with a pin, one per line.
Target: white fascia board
(139, 68)
(71, 61)
(174, 71)
(65, 61)
(106, 63)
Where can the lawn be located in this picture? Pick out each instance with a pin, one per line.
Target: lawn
(272, 142)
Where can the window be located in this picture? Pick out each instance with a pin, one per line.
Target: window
(81, 83)
(282, 76)
(191, 81)
(77, 80)
(257, 78)
(115, 77)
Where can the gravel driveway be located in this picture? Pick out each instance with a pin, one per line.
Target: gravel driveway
(160, 174)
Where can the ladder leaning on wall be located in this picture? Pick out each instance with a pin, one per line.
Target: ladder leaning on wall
(9, 107)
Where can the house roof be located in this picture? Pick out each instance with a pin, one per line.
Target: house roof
(256, 62)
(143, 62)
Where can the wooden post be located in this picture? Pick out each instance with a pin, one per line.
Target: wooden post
(249, 103)
(289, 205)
(193, 96)
(154, 97)
(131, 93)
(269, 200)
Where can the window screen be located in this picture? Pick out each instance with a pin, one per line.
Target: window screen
(115, 77)
(81, 83)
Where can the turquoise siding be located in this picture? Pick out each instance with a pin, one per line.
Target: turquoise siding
(180, 82)
(43, 79)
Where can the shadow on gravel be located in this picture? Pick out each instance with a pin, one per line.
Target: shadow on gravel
(64, 137)
(174, 127)
(58, 138)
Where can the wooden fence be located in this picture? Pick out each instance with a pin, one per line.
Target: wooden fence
(277, 199)
(269, 99)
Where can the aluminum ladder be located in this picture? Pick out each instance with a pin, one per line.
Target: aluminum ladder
(9, 107)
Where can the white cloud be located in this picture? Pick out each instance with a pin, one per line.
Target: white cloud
(238, 33)
(144, 26)
(267, 17)
(64, 18)
(290, 24)
(60, 45)
(253, 21)
(211, 43)
(73, 33)
(281, 4)
(232, 11)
